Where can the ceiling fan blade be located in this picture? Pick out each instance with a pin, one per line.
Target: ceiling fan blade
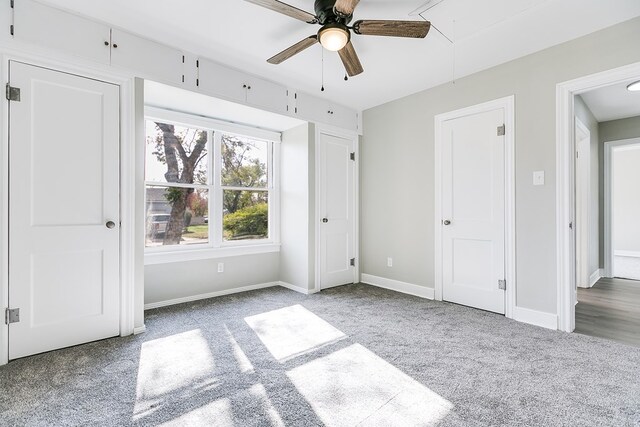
(293, 50)
(286, 9)
(345, 7)
(350, 60)
(415, 29)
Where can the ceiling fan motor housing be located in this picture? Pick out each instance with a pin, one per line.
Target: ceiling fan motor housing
(327, 15)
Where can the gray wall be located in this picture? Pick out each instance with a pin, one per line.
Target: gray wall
(397, 161)
(297, 254)
(614, 130)
(585, 115)
(182, 279)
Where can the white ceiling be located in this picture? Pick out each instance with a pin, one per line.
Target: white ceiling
(242, 35)
(613, 102)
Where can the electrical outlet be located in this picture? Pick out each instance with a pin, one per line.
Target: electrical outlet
(221, 267)
(389, 262)
(538, 178)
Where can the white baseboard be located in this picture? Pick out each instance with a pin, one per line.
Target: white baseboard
(594, 277)
(209, 295)
(534, 317)
(139, 330)
(398, 286)
(294, 288)
(630, 254)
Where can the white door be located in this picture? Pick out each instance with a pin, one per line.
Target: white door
(63, 210)
(473, 211)
(582, 195)
(337, 208)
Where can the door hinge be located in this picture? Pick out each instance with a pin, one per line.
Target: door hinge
(12, 93)
(352, 262)
(11, 315)
(501, 130)
(502, 284)
(352, 156)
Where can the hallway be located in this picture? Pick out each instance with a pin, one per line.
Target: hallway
(610, 309)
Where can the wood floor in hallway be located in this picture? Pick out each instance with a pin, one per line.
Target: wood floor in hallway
(610, 309)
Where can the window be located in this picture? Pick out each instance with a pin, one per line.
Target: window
(209, 185)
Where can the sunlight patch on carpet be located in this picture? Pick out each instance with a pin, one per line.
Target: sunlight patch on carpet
(353, 385)
(170, 368)
(216, 413)
(292, 331)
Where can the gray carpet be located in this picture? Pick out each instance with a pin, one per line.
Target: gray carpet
(353, 355)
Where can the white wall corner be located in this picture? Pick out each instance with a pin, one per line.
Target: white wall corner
(534, 317)
(595, 276)
(398, 286)
(295, 288)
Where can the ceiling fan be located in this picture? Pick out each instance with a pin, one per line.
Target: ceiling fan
(335, 34)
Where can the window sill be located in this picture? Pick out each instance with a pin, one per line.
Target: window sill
(164, 257)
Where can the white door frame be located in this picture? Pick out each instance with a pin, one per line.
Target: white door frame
(506, 103)
(127, 182)
(608, 201)
(583, 218)
(565, 185)
(339, 133)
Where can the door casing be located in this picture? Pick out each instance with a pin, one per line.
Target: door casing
(127, 180)
(506, 103)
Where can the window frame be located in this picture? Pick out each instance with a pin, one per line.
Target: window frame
(217, 247)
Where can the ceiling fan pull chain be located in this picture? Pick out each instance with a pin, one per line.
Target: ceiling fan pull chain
(322, 88)
(345, 77)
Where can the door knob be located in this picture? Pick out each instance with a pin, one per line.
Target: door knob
(325, 220)
(110, 224)
(446, 222)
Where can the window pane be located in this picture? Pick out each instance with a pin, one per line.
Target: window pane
(245, 215)
(244, 161)
(176, 216)
(175, 154)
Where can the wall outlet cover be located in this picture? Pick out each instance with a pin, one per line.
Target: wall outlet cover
(538, 178)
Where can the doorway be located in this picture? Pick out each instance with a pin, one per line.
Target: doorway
(474, 207)
(603, 305)
(64, 210)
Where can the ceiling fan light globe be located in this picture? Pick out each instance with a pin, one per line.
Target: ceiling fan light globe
(334, 38)
(634, 87)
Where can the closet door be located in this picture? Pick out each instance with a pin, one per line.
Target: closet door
(63, 211)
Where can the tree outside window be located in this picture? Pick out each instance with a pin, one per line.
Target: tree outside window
(181, 179)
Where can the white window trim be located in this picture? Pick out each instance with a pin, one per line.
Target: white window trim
(217, 247)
